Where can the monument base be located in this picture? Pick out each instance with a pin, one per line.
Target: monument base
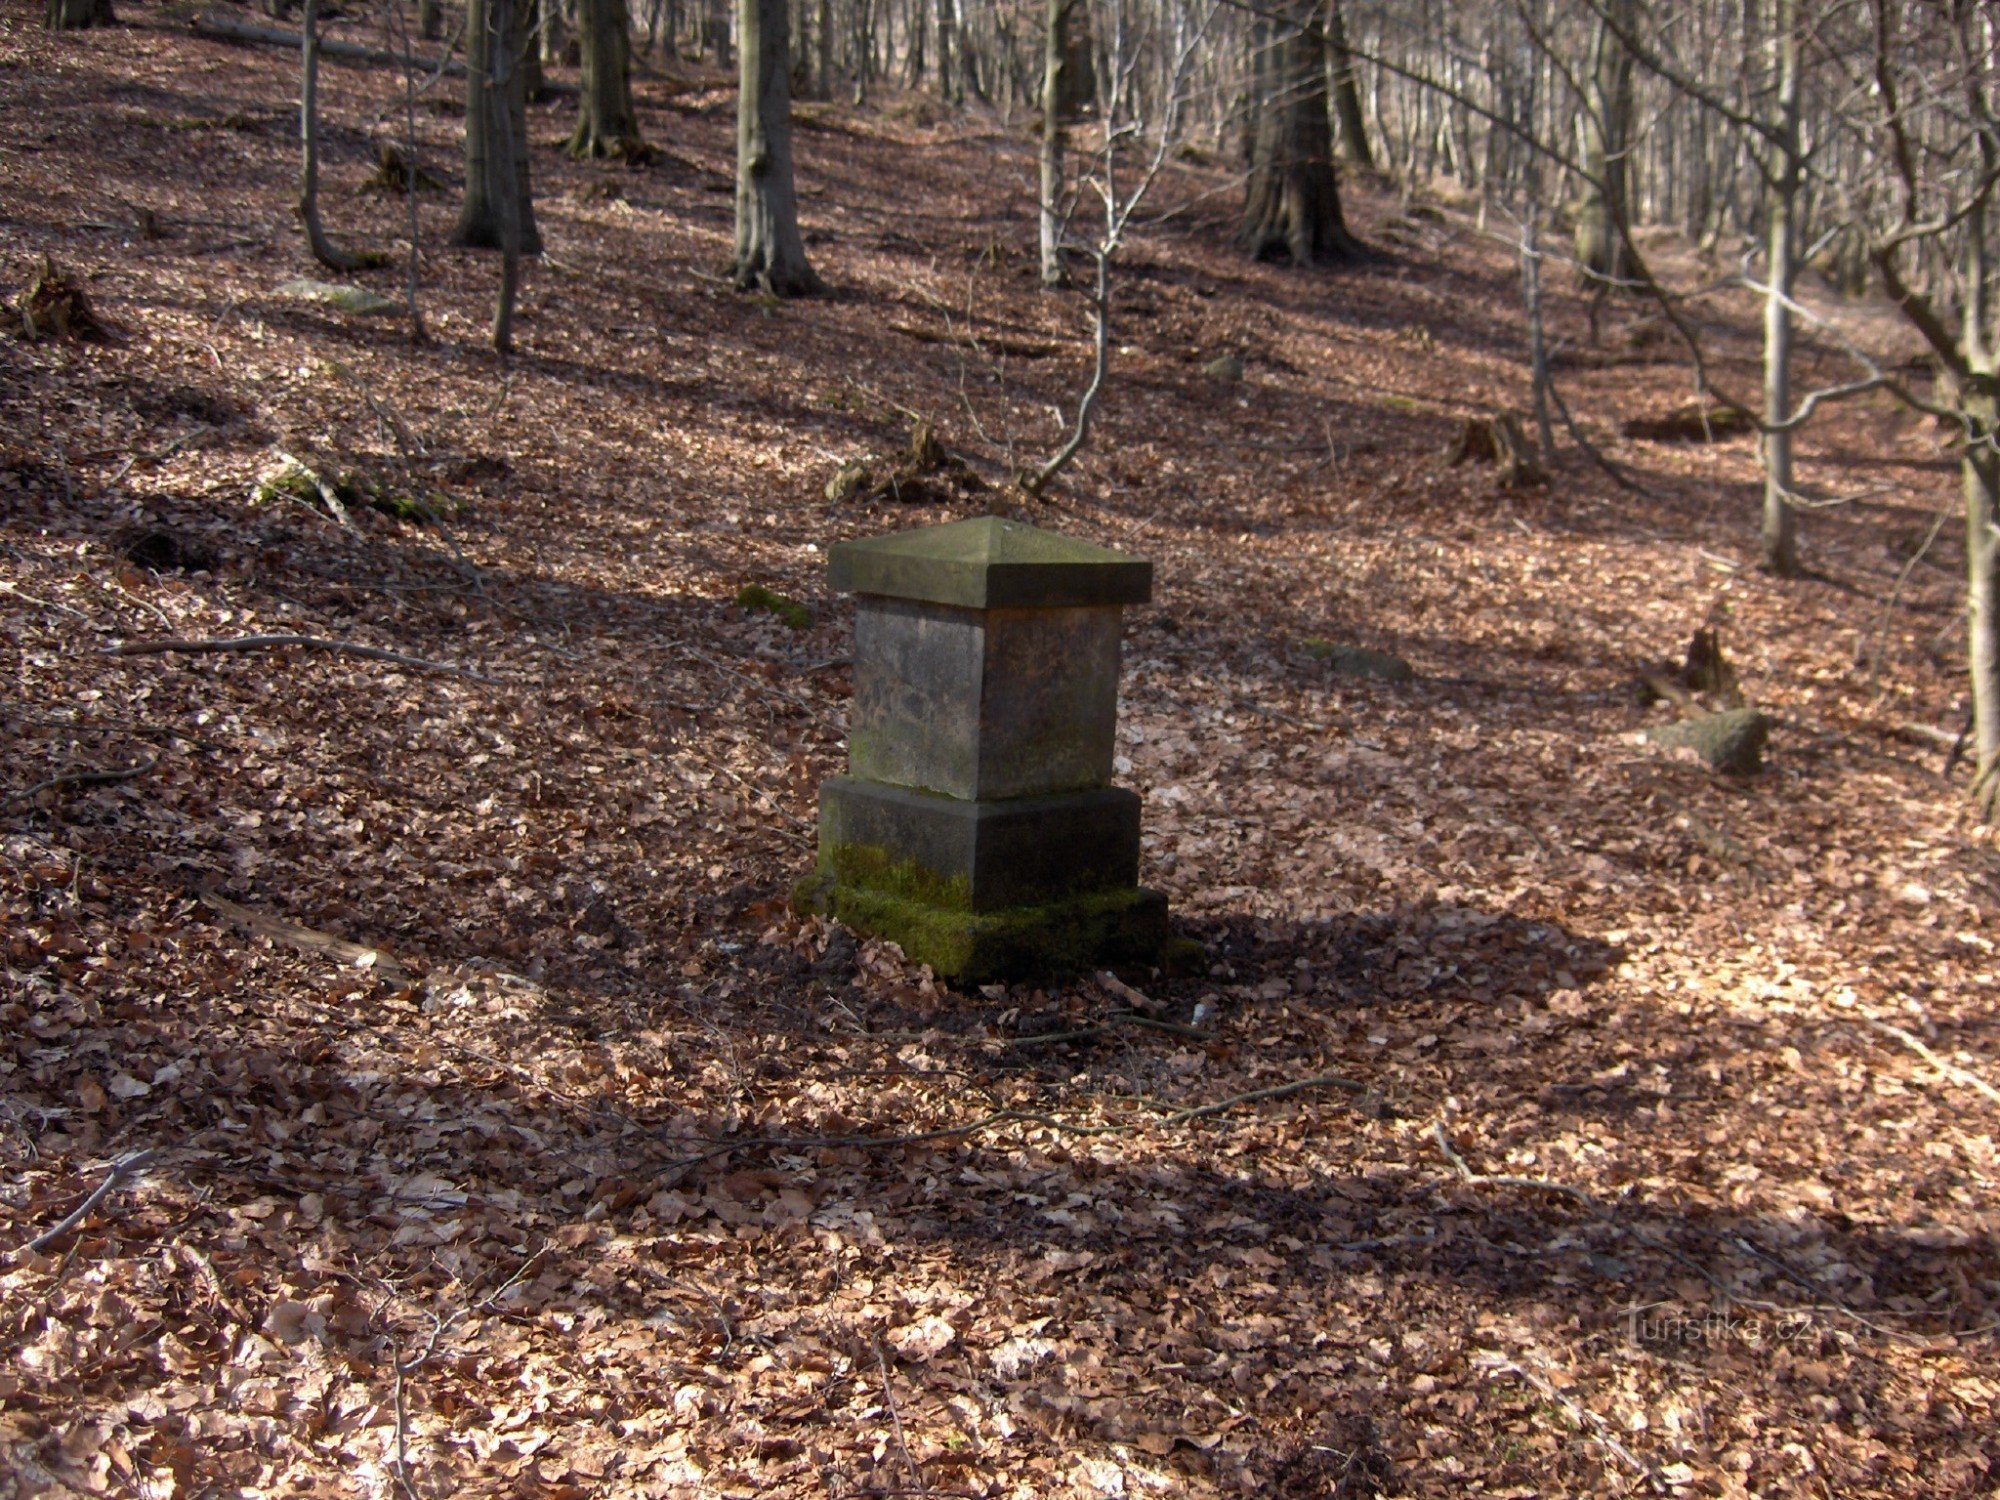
(1099, 930)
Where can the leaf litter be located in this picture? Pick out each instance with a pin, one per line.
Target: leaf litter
(510, 1136)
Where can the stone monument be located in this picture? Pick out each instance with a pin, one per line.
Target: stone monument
(977, 825)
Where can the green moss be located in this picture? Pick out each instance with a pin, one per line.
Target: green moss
(793, 613)
(1021, 942)
(877, 869)
(356, 490)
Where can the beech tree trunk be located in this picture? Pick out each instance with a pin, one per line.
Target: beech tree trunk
(770, 253)
(1293, 205)
(496, 134)
(606, 123)
(76, 15)
(1351, 138)
(323, 249)
(1057, 110)
(1781, 542)
(1605, 142)
(1981, 466)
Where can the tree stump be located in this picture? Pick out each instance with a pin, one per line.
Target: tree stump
(1499, 441)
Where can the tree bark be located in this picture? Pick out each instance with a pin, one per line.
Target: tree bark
(1981, 466)
(947, 53)
(715, 21)
(496, 134)
(606, 123)
(78, 15)
(1605, 131)
(430, 19)
(770, 253)
(502, 84)
(1056, 112)
(1293, 204)
(1781, 543)
(324, 250)
(1351, 136)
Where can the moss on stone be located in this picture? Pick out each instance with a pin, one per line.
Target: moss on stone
(877, 869)
(793, 613)
(1020, 942)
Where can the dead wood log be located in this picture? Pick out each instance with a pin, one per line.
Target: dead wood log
(307, 939)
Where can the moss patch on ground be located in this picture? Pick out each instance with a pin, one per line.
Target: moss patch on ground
(786, 608)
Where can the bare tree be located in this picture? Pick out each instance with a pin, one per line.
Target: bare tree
(770, 252)
(606, 122)
(1126, 124)
(1292, 206)
(496, 134)
(324, 250)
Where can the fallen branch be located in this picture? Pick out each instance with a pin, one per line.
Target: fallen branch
(121, 1169)
(78, 778)
(1279, 1091)
(307, 642)
(307, 939)
(223, 28)
(896, 1417)
(1116, 1018)
(1950, 1070)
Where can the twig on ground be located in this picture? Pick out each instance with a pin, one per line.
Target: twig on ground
(1279, 1091)
(404, 1369)
(1005, 1116)
(307, 642)
(1116, 1018)
(1582, 1416)
(121, 1169)
(1589, 1201)
(78, 778)
(896, 1418)
(1952, 1071)
(308, 939)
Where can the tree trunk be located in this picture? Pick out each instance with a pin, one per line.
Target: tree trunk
(430, 19)
(770, 254)
(1293, 204)
(1352, 134)
(823, 41)
(323, 249)
(77, 15)
(1981, 466)
(1781, 543)
(1538, 346)
(1605, 129)
(496, 134)
(947, 53)
(717, 23)
(1056, 110)
(502, 83)
(606, 123)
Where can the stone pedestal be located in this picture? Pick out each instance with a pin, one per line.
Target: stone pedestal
(978, 827)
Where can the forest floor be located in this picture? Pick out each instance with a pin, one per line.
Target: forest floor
(1668, 1160)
